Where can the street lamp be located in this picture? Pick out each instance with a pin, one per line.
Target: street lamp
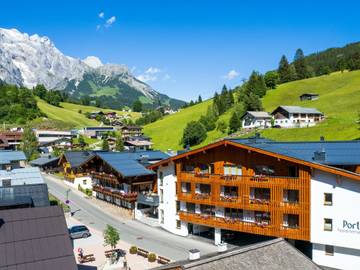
(67, 196)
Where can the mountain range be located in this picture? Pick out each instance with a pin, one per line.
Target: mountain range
(29, 60)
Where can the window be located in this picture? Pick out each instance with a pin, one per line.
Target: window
(186, 187)
(291, 196)
(230, 169)
(264, 170)
(178, 224)
(84, 182)
(177, 206)
(291, 221)
(161, 196)
(328, 199)
(161, 178)
(327, 224)
(293, 171)
(329, 250)
(6, 183)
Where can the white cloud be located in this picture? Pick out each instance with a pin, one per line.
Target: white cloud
(98, 27)
(110, 21)
(150, 75)
(232, 74)
(153, 70)
(101, 15)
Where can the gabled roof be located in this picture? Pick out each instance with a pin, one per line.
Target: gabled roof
(35, 238)
(128, 164)
(28, 176)
(336, 152)
(258, 114)
(274, 254)
(6, 156)
(41, 161)
(283, 153)
(77, 158)
(297, 109)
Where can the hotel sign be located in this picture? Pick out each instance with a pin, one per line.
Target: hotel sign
(350, 227)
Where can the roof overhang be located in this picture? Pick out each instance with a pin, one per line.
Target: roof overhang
(313, 165)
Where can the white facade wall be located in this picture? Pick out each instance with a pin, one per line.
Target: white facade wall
(167, 205)
(252, 122)
(85, 182)
(292, 121)
(345, 215)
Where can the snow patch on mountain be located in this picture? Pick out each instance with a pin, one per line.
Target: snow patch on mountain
(31, 60)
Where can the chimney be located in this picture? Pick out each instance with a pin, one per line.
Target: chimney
(319, 155)
(194, 254)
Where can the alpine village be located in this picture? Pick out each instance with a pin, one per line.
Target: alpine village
(260, 170)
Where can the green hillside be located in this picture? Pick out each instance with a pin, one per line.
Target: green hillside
(69, 114)
(339, 101)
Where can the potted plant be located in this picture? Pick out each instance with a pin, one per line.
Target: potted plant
(133, 250)
(152, 257)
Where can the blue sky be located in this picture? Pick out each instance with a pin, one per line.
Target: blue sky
(187, 48)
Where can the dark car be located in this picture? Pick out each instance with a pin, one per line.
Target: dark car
(79, 231)
(277, 126)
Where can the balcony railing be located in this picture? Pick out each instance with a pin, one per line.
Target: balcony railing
(236, 179)
(130, 197)
(104, 176)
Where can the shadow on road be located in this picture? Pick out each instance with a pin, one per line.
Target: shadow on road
(86, 267)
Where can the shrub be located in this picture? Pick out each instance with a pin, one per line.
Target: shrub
(133, 250)
(88, 192)
(152, 257)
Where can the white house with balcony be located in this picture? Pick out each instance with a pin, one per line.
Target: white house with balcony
(296, 117)
(253, 119)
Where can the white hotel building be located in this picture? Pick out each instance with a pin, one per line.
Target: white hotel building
(306, 192)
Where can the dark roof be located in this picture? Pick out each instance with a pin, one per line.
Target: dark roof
(336, 152)
(41, 161)
(35, 238)
(275, 254)
(77, 158)
(297, 109)
(309, 94)
(129, 164)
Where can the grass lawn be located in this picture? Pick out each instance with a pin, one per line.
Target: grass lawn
(339, 101)
(69, 114)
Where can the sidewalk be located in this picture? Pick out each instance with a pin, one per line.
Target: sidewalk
(95, 245)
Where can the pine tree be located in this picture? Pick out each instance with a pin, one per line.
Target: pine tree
(284, 70)
(300, 65)
(256, 84)
(119, 143)
(29, 144)
(252, 103)
(271, 79)
(199, 99)
(234, 122)
(105, 145)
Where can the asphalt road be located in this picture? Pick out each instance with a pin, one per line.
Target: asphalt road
(131, 231)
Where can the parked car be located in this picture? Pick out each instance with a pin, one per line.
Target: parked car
(79, 231)
(277, 126)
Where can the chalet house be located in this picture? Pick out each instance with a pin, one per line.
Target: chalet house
(93, 115)
(138, 143)
(118, 177)
(74, 173)
(12, 159)
(46, 163)
(295, 116)
(10, 140)
(309, 96)
(272, 254)
(130, 131)
(96, 132)
(252, 119)
(48, 136)
(22, 187)
(61, 143)
(35, 238)
(301, 191)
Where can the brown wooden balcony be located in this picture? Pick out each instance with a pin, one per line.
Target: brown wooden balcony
(130, 197)
(104, 176)
(264, 227)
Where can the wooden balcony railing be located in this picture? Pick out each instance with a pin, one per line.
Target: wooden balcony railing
(104, 176)
(235, 180)
(264, 227)
(130, 197)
